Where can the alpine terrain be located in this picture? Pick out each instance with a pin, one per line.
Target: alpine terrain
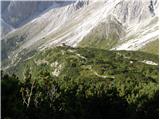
(80, 59)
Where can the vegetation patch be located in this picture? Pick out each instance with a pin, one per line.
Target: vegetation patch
(115, 82)
(152, 47)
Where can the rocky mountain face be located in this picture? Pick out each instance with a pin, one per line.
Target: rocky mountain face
(18, 13)
(65, 59)
(134, 12)
(106, 24)
(5, 28)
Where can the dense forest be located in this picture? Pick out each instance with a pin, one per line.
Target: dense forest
(66, 82)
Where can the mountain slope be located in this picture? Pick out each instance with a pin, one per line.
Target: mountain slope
(5, 28)
(74, 24)
(17, 13)
(67, 82)
(75, 57)
(59, 57)
(105, 35)
(152, 47)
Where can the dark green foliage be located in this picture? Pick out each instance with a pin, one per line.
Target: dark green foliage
(91, 84)
(11, 102)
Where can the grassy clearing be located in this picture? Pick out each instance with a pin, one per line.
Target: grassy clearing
(152, 47)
